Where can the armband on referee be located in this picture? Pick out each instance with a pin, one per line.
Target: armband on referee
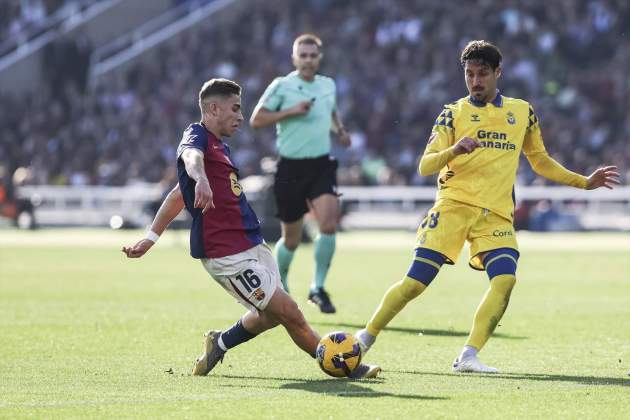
(152, 236)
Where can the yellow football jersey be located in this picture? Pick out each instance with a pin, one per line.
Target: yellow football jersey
(485, 178)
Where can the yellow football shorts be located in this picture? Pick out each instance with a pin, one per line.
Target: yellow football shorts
(450, 223)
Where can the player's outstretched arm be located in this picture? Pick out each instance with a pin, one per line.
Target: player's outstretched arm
(545, 166)
(603, 177)
(193, 161)
(433, 161)
(170, 208)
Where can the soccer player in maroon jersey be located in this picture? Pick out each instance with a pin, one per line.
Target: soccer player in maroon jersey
(225, 234)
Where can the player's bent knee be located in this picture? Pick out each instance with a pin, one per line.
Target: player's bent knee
(291, 243)
(328, 228)
(284, 310)
(502, 261)
(425, 265)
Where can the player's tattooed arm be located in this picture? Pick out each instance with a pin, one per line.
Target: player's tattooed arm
(170, 208)
(193, 161)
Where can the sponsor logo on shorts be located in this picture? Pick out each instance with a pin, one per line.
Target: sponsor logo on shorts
(501, 233)
(423, 238)
(258, 294)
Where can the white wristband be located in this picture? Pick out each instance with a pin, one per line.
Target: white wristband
(152, 236)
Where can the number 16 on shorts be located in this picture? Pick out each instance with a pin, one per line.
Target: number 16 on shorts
(248, 284)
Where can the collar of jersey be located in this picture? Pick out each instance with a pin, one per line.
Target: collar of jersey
(497, 101)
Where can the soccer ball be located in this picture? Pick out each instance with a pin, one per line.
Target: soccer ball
(338, 354)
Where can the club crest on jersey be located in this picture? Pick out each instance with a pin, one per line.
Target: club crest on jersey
(510, 118)
(474, 118)
(236, 186)
(258, 294)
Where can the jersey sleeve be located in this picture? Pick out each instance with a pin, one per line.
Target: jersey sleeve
(533, 141)
(543, 164)
(439, 150)
(193, 137)
(272, 98)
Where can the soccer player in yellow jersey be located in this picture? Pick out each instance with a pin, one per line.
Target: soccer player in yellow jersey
(475, 146)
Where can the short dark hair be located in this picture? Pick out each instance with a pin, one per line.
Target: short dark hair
(218, 87)
(483, 52)
(309, 39)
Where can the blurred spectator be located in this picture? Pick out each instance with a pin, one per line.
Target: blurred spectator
(396, 64)
(19, 211)
(20, 17)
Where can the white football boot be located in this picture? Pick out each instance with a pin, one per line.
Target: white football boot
(473, 365)
(364, 371)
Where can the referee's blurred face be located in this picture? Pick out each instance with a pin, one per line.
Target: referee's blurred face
(481, 80)
(306, 59)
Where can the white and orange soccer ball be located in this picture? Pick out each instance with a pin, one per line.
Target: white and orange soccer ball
(338, 354)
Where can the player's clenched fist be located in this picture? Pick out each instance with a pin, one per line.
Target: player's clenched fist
(203, 195)
(465, 145)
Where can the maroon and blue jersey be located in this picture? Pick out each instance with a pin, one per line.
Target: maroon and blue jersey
(232, 226)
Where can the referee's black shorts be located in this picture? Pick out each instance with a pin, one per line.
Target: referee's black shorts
(298, 180)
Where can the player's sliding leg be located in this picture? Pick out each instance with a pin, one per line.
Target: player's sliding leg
(284, 309)
(423, 270)
(285, 249)
(326, 209)
(286, 312)
(280, 309)
(500, 264)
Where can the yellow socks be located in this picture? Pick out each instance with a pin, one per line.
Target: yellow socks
(491, 310)
(394, 300)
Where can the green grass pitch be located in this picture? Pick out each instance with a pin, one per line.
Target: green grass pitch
(86, 333)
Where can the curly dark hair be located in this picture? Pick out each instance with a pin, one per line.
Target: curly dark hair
(483, 52)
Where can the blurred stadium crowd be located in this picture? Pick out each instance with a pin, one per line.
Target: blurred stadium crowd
(19, 17)
(395, 63)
